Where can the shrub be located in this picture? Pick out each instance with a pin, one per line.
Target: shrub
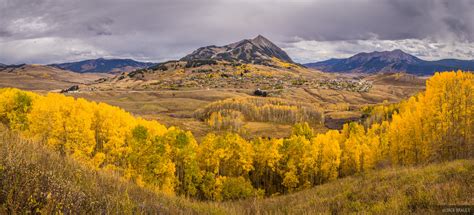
(234, 188)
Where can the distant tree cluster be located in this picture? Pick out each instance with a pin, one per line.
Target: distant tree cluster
(266, 110)
(226, 120)
(379, 113)
(436, 125)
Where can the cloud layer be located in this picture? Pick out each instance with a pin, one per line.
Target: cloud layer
(46, 31)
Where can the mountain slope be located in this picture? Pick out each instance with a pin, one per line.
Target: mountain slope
(39, 77)
(390, 61)
(102, 65)
(257, 50)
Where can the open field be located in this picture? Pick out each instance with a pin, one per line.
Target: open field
(176, 107)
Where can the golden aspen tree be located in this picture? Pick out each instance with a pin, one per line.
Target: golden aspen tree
(328, 156)
(63, 123)
(112, 127)
(356, 155)
(302, 129)
(184, 155)
(14, 107)
(149, 159)
(265, 175)
(292, 151)
(449, 96)
(220, 156)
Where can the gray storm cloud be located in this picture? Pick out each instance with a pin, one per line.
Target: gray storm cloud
(45, 31)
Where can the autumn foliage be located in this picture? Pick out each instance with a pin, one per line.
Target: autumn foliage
(436, 125)
(264, 110)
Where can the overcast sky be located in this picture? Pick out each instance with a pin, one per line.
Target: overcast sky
(49, 31)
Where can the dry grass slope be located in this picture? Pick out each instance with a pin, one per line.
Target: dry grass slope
(417, 190)
(38, 77)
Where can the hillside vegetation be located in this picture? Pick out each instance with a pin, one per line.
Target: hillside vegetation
(260, 109)
(434, 126)
(37, 179)
(404, 190)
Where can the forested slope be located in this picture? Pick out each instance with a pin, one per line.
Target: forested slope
(35, 179)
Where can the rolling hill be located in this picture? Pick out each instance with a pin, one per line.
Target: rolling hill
(390, 61)
(102, 65)
(40, 77)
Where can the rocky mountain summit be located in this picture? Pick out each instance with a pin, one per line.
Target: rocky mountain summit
(257, 51)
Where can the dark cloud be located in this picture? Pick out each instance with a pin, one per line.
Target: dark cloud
(165, 29)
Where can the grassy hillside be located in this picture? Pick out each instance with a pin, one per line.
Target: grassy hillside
(36, 179)
(33, 178)
(391, 191)
(44, 78)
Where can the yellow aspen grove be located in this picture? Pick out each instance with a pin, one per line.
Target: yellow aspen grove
(226, 155)
(450, 103)
(267, 156)
(435, 125)
(290, 167)
(184, 155)
(302, 129)
(328, 156)
(64, 124)
(351, 149)
(112, 126)
(14, 106)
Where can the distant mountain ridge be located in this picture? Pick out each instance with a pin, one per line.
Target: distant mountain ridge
(102, 65)
(390, 61)
(11, 66)
(257, 50)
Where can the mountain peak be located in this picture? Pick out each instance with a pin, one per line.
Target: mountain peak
(398, 51)
(260, 40)
(385, 56)
(257, 50)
